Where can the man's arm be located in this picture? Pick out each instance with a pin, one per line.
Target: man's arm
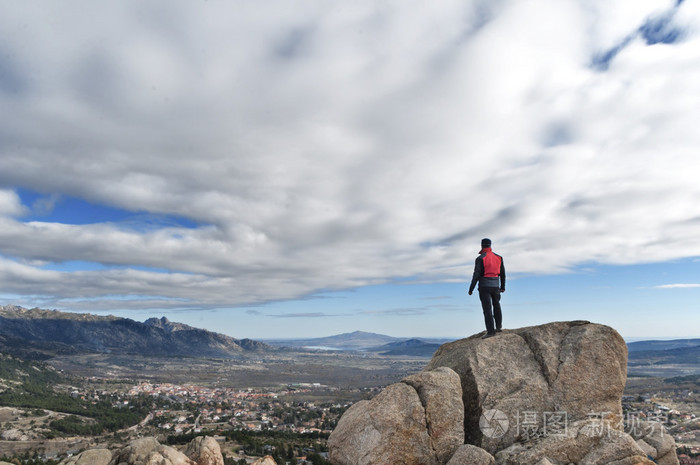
(503, 276)
(478, 273)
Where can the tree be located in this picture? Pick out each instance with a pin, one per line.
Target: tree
(316, 459)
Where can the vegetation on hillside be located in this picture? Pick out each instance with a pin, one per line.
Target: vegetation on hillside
(33, 385)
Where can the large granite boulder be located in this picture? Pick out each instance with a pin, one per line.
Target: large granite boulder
(542, 395)
(561, 371)
(416, 422)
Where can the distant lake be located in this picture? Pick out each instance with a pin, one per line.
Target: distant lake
(322, 348)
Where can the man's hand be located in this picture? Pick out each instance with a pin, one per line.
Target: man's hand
(470, 292)
(503, 290)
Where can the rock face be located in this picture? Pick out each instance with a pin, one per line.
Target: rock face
(586, 442)
(541, 395)
(418, 421)
(570, 368)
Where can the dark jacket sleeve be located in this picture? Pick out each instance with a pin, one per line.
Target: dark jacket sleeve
(503, 275)
(478, 272)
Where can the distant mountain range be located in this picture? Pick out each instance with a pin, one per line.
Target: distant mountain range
(662, 345)
(677, 356)
(37, 334)
(41, 334)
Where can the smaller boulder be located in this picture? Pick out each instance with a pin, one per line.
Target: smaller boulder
(655, 440)
(205, 451)
(391, 428)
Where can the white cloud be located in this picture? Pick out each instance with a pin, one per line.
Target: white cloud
(676, 286)
(10, 203)
(339, 145)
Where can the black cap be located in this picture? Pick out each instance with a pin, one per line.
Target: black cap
(485, 242)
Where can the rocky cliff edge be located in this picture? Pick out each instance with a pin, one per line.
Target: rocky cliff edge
(541, 395)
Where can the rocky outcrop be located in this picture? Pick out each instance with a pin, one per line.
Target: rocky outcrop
(570, 368)
(14, 435)
(542, 395)
(417, 421)
(205, 451)
(90, 457)
(148, 451)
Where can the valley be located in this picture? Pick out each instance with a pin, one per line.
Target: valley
(111, 381)
(333, 368)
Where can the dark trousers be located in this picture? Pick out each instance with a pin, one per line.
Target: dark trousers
(491, 296)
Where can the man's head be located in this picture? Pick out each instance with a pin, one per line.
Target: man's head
(485, 242)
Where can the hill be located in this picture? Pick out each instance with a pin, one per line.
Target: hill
(357, 340)
(42, 334)
(662, 345)
(412, 347)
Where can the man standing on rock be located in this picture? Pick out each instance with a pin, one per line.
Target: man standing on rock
(490, 273)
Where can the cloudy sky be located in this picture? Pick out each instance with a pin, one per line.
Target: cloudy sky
(301, 168)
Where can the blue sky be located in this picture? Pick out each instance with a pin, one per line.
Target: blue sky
(296, 170)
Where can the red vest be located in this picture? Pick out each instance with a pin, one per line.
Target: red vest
(492, 263)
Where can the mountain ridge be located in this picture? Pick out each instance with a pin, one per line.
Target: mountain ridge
(40, 334)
